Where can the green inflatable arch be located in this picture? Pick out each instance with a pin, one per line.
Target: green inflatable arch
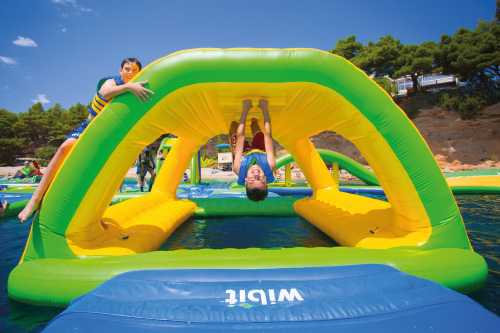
(77, 240)
(344, 162)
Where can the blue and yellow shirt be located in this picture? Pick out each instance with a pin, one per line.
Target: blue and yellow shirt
(99, 102)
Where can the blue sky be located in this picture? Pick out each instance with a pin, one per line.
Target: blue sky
(55, 51)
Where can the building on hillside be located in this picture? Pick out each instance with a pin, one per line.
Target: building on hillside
(429, 82)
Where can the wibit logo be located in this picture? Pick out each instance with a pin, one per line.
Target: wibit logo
(260, 296)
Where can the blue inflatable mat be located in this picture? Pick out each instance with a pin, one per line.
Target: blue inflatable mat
(361, 298)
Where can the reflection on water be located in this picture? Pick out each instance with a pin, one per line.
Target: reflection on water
(246, 232)
(481, 215)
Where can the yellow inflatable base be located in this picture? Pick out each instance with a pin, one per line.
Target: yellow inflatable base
(356, 221)
(474, 181)
(134, 226)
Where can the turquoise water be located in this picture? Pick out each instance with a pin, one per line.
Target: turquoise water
(481, 213)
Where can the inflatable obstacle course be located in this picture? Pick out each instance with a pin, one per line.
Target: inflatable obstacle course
(79, 237)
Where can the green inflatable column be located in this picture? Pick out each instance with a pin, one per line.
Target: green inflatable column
(195, 169)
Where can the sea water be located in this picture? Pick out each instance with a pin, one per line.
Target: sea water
(481, 214)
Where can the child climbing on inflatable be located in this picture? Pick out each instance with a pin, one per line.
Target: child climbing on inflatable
(107, 88)
(253, 162)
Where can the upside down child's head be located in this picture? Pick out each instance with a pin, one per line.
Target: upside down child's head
(256, 183)
(129, 67)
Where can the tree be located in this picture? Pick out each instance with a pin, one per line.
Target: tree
(45, 153)
(77, 112)
(56, 123)
(380, 58)
(10, 148)
(37, 131)
(475, 57)
(33, 125)
(416, 60)
(472, 54)
(348, 47)
(7, 121)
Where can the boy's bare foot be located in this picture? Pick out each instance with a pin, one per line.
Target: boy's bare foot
(3, 207)
(263, 104)
(26, 213)
(247, 105)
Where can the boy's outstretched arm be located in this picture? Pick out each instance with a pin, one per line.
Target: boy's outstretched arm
(240, 136)
(109, 89)
(268, 138)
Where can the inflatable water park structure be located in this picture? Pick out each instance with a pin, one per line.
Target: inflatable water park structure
(78, 240)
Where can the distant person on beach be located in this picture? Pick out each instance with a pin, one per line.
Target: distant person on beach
(107, 89)
(253, 162)
(146, 163)
(30, 169)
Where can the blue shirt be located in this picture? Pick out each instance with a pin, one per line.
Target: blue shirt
(255, 157)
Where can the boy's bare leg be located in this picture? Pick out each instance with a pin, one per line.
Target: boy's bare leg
(54, 165)
(152, 179)
(268, 138)
(3, 207)
(240, 136)
(264, 106)
(233, 128)
(254, 126)
(140, 182)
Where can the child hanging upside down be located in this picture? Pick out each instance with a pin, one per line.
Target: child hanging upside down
(253, 162)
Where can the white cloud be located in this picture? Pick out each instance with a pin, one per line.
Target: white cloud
(64, 2)
(64, 29)
(8, 61)
(71, 4)
(41, 98)
(25, 42)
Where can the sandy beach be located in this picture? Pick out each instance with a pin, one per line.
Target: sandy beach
(212, 173)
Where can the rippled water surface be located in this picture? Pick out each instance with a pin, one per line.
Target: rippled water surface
(481, 214)
(482, 221)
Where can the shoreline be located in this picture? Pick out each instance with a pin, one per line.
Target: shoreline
(212, 173)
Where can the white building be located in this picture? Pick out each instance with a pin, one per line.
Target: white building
(427, 81)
